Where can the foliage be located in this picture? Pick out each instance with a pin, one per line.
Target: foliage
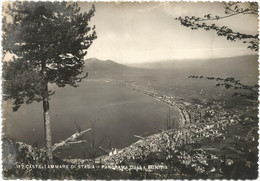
(170, 123)
(232, 83)
(93, 145)
(21, 165)
(48, 41)
(231, 9)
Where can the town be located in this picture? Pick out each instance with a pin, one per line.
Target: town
(197, 122)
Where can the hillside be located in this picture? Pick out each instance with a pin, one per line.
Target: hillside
(242, 64)
(243, 67)
(108, 65)
(172, 63)
(219, 138)
(109, 69)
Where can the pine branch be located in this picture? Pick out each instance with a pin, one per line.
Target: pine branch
(73, 139)
(231, 82)
(231, 9)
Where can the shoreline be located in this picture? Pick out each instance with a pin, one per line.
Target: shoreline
(184, 118)
(187, 133)
(157, 95)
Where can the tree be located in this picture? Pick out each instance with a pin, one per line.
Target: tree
(231, 9)
(93, 145)
(48, 41)
(170, 123)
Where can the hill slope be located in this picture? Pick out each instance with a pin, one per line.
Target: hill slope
(110, 69)
(108, 65)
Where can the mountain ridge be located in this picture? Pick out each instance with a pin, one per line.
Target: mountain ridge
(237, 66)
(166, 64)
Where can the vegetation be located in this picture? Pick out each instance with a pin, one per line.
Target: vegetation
(231, 9)
(220, 143)
(232, 83)
(48, 41)
(236, 149)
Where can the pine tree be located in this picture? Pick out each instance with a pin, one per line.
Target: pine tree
(48, 41)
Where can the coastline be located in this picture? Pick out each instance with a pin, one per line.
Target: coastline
(188, 133)
(153, 140)
(172, 102)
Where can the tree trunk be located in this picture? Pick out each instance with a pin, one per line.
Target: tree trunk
(47, 123)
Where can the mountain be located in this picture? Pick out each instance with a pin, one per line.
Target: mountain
(232, 66)
(239, 67)
(103, 69)
(94, 64)
(247, 60)
(108, 65)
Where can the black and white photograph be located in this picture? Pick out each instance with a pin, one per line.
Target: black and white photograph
(130, 90)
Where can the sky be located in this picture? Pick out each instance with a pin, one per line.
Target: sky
(148, 32)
